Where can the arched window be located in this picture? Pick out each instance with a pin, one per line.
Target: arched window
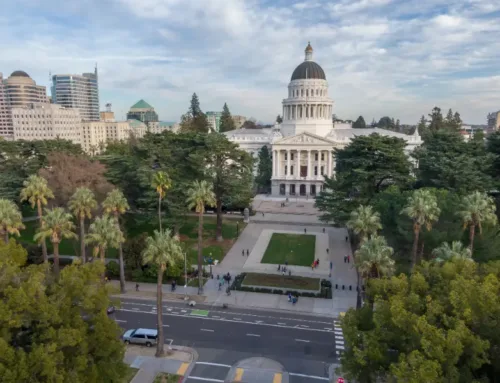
(302, 92)
(307, 92)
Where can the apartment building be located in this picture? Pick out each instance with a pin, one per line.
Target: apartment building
(41, 121)
(6, 129)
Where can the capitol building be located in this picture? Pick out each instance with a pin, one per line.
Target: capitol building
(302, 145)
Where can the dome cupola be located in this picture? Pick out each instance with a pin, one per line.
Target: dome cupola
(308, 69)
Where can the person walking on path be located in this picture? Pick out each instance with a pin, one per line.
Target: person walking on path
(312, 266)
(305, 230)
(327, 250)
(323, 230)
(242, 253)
(348, 259)
(136, 287)
(345, 258)
(346, 238)
(248, 252)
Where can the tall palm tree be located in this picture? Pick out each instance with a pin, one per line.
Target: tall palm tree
(364, 222)
(161, 183)
(422, 208)
(116, 204)
(57, 224)
(445, 252)
(104, 233)
(36, 191)
(162, 250)
(200, 194)
(373, 258)
(11, 219)
(478, 208)
(81, 204)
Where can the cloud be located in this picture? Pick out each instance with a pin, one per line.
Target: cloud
(381, 57)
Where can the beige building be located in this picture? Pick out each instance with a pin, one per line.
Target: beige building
(238, 121)
(6, 129)
(46, 122)
(107, 116)
(21, 90)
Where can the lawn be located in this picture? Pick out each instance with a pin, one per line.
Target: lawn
(163, 377)
(131, 372)
(283, 281)
(296, 249)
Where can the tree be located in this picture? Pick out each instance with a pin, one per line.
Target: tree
(445, 252)
(164, 251)
(364, 222)
(279, 119)
(477, 209)
(200, 195)
(359, 123)
(104, 233)
(65, 173)
(161, 183)
(364, 168)
(249, 124)
(57, 224)
(116, 204)
(436, 120)
(422, 126)
(81, 204)
(37, 192)
(194, 120)
(422, 208)
(264, 169)
(56, 331)
(385, 123)
(493, 148)
(373, 258)
(230, 170)
(11, 220)
(226, 121)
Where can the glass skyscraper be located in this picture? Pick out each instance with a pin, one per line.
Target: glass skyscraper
(79, 92)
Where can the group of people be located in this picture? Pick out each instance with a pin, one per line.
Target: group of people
(225, 279)
(284, 269)
(292, 298)
(243, 253)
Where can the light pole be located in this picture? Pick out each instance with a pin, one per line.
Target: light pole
(210, 260)
(237, 228)
(185, 276)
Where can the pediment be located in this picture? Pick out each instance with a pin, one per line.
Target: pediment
(304, 139)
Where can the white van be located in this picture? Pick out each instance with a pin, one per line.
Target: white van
(145, 336)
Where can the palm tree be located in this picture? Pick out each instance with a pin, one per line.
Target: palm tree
(161, 183)
(373, 258)
(81, 204)
(478, 208)
(104, 233)
(364, 222)
(11, 219)
(36, 191)
(116, 204)
(200, 194)
(423, 209)
(445, 252)
(161, 250)
(57, 224)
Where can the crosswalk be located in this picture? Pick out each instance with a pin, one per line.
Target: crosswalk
(339, 337)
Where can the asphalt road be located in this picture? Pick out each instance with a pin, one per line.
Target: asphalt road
(303, 344)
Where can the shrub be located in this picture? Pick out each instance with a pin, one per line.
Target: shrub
(112, 270)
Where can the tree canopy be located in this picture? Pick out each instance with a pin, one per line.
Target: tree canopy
(264, 169)
(226, 121)
(194, 120)
(359, 123)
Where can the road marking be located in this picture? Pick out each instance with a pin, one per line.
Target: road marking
(227, 320)
(166, 325)
(237, 318)
(339, 347)
(201, 313)
(215, 316)
(214, 364)
(253, 335)
(135, 309)
(204, 379)
(281, 323)
(308, 376)
(238, 375)
(183, 311)
(258, 321)
(339, 337)
(206, 329)
(277, 378)
(303, 325)
(169, 309)
(328, 328)
(120, 320)
(302, 340)
(182, 369)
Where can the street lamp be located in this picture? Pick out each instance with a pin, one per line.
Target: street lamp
(185, 276)
(210, 260)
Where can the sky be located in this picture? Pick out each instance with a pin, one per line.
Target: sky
(381, 57)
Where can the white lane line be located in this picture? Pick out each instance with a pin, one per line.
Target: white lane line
(169, 309)
(338, 347)
(227, 320)
(204, 379)
(183, 311)
(328, 328)
(281, 323)
(206, 329)
(166, 325)
(253, 335)
(302, 340)
(339, 337)
(308, 376)
(214, 364)
(135, 309)
(120, 320)
(340, 342)
(237, 318)
(303, 325)
(215, 316)
(258, 321)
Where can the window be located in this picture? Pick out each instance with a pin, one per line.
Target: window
(291, 156)
(307, 92)
(286, 170)
(315, 156)
(322, 168)
(322, 156)
(286, 156)
(315, 170)
(139, 336)
(291, 170)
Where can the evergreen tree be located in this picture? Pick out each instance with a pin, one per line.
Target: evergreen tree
(264, 169)
(279, 120)
(373, 124)
(195, 109)
(226, 121)
(422, 126)
(398, 126)
(384, 123)
(194, 120)
(457, 120)
(359, 123)
(436, 122)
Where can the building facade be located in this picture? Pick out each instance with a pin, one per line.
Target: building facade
(21, 90)
(79, 92)
(142, 111)
(6, 128)
(494, 121)
(213, 119)
(46, 122)
(238, 121)
(302, 145)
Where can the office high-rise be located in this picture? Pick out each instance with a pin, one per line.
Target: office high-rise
(6, 129)
(22, 90)
(78, 91)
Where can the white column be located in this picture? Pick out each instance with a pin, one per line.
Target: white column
(278, 165)
(319, 162)
(329, 164)
(309, 164)
(297, 172)
(288, 152)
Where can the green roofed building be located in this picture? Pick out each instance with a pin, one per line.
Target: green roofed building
(142, 111)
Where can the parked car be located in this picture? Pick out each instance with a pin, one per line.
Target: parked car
(144, 336)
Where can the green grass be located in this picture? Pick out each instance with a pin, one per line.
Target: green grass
(131, 372)
(284, 281)
(297, 249)
(169, 378)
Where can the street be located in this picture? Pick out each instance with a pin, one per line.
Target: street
(304, 345)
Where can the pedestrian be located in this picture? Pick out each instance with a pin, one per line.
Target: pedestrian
(327, 250)
(136, 287)
(220, 285)
(346, 238)
(345, 258)
(323, 230)
(305, 230)
(317, 262)
(263, 214)
(286, 262)
(242, 253)
(312, 266)
(248, 253)
(283, 272)
(348, 259)
(289, 273)
(279, 267)
(289, 297)
(331, 265)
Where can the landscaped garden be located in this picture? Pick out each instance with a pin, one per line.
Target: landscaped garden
(291, 282)
(163, 377)
(296, 249)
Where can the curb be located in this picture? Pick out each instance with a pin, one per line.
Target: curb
(194, 358)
